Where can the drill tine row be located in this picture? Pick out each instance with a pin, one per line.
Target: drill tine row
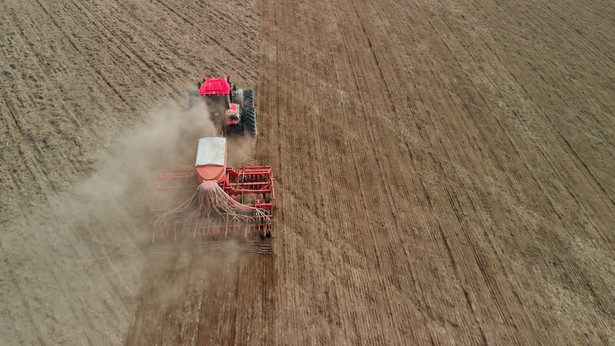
(163, 251)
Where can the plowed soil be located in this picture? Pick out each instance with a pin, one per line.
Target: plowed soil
(444, 171)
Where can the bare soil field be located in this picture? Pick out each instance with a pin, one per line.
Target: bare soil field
(444, 171)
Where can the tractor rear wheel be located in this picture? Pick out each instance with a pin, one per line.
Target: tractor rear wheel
(248, 98)
(249, 121)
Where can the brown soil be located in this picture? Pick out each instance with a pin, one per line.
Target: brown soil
(444, 170)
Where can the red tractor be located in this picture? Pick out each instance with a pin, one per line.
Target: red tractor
(212, 201)
(231, 109)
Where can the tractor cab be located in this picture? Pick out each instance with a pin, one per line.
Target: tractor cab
(231, 109)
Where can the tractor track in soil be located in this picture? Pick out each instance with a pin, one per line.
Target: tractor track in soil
(444, 172)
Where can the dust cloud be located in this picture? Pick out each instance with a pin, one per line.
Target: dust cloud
(84, 254)
(166, 140)
(81, 255)
(124, 179)
(241, 151)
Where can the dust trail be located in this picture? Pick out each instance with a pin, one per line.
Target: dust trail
(167, 140)
(79, 257)
(241, 151)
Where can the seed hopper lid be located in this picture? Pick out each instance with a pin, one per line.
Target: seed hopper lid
(211, 158)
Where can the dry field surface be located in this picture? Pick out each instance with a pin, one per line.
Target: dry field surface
(445, 171)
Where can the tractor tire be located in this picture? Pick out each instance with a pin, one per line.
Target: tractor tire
(249, 121)
(248, 98)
